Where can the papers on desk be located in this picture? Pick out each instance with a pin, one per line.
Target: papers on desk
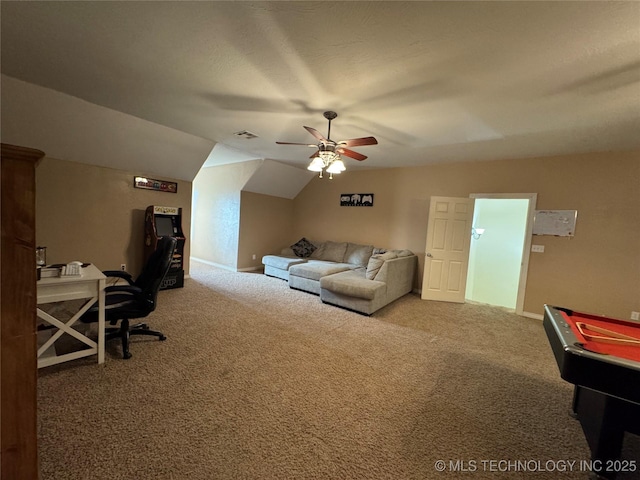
(68, 270)
(49, 272)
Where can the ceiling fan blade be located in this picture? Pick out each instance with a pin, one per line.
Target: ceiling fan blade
(316, 154)
(359, 142)
(304, 144)
(316, 134)
(351, 153)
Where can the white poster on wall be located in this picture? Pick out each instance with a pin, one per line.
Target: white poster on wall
(561, 223)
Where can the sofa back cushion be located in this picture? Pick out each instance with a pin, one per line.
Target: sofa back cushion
(376, 262)
(358, 254)
(330, 252)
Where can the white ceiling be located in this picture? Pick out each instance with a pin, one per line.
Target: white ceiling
(432, 81)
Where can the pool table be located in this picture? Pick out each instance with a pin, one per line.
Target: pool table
(600, 357)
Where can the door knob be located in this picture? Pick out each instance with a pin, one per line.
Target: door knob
(429, 255)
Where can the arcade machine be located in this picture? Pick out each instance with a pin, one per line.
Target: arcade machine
(166, 222)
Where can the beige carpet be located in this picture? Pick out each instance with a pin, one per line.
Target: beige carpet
(257, 381)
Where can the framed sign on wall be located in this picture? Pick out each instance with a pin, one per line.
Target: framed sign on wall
(153, 184)
(356, 199)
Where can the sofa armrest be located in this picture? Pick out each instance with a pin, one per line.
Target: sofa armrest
(287, 252)
(398, 274)
(282, 262)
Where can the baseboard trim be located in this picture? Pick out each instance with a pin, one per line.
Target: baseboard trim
(213, 264)
(249, 269)
(535, 316)
(225, 267)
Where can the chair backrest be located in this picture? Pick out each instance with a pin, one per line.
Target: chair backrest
(155, 269)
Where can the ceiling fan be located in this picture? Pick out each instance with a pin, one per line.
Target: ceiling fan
(329, 151)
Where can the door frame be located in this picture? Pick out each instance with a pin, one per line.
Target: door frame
(526, 247)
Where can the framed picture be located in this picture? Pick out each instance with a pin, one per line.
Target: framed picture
(153, 184)
(356, 199)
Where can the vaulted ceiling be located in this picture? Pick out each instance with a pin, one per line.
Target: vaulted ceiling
(432, 81)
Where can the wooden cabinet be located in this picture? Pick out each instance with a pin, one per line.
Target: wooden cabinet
(18, 343)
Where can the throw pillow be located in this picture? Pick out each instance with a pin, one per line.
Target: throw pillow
(303, 248)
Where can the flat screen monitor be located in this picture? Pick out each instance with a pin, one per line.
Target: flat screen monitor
(164, 226)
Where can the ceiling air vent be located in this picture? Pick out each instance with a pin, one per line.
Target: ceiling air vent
(246, 134)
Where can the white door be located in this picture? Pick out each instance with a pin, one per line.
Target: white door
(447, 251)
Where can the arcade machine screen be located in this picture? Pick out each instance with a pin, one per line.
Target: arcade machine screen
(164, 226)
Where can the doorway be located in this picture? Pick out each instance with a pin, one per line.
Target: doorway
(499, 251)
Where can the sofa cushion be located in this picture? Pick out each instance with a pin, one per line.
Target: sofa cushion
(331, 252)
(352, 284)
(358, 254)
(376, 262)
(303, 248)
(317, 270)
(403, 253)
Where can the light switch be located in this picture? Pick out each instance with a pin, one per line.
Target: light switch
(537, 248)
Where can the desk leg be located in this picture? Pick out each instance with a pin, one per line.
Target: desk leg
(101, 325)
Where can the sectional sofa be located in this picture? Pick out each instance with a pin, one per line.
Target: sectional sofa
(349, 275)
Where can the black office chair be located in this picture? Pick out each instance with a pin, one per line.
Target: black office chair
(135, 300)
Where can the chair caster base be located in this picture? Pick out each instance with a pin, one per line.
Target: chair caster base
(126, 355)
(162, 338)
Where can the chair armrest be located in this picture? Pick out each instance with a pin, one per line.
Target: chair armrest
(119, 274)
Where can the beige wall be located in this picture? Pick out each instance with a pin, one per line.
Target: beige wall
(597, 271)
(94, 214)
(265, 227)
(216, 212)
(319, 216)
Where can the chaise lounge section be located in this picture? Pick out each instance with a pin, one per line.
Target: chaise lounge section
(369, 290)
(278, 265)
(348, 275)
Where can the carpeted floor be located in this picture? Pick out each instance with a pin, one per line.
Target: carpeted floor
(257, 381)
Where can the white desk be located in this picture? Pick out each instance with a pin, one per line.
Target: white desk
(89, 285)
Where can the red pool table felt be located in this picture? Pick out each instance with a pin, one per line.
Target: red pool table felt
(630, 352)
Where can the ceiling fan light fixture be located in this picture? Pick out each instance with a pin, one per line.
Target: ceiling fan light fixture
(316, 165)
(328, 155)
(336, 166)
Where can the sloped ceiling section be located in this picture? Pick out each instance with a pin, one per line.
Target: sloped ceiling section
(278, 180)
(69, 128)
(229, 154)
(432, 81)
